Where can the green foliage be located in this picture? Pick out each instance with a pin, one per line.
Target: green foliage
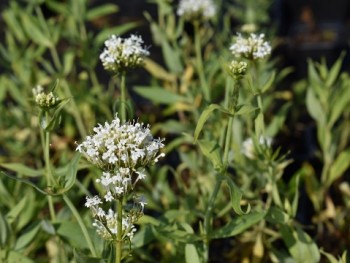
(223, 184)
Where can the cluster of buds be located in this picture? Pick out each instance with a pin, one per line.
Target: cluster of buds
(237, 69)
(44, 100)
(122, 54)
(122, 151)
(252, 48)
(196, 9)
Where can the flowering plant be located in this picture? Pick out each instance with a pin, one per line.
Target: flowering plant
(121, 54)
(254, 47)
(192, 9)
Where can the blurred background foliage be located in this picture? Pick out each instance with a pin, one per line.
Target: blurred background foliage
(297, 188)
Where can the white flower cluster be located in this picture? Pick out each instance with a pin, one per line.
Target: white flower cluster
(44, 100)
(116, 146)
(121, 54)
(106, 222)
(254, 47)
(193, 9)
(248, 148)
(122, 151)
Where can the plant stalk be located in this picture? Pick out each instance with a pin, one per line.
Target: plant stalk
(49, 178)
(200, 68)
(81, 224)
(122, 107)
(119, 241)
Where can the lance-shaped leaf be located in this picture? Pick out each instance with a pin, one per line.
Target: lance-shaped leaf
(204, 117)
(212, 151)
(238, 225)
(236, 196)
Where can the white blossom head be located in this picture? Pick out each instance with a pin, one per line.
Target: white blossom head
(121, 54)
(196, 9)
(121, 151)
(253, 48)
(44, 100)
(106, 225)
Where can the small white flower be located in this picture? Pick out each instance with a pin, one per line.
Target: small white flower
(92, 201)
(248, 148)
(120, 54)
(108, 197)
(254, 47)
(193, 9)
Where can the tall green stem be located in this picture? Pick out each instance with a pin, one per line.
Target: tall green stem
(49, 178)
(119, 241)
(81, 224)
(231, 104)
(122, 107)
(200, 68)
(75, 111)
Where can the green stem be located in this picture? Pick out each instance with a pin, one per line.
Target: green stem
(55, 58)
(81, 224)
(227, 142)
(208, 218)
(122, 108)
(119, 241)
(49, 178)
(75, 111)
(200, 68)
(260, 105)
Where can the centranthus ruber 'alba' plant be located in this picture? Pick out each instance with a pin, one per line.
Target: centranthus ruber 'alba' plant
(122, 151)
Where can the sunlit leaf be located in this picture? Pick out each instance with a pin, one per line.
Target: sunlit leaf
(300, 245)
(238, 225)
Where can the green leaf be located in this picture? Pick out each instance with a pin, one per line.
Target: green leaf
(212, 151)
(142, 237)
(275, 215)
(68, 62)
(101, 10)
(278, 120)
(27, 237)
(34, 32)
(191, 254)
(81, 257)
(269, 82)
(118, 30)
(5, 231)
(245, 109)
(236, 196)
(204, 117)
(24, 181)
(14, 213)
(55, 118)
(171, 57)
(159, 95)
(335, 70)
(16, 257)
(300, 245)
(158, 71)
(341, 103)
(314, 107)
(69, 177)
(340, 165)
(71, 231)
(330, 257)
(22, 169)
(259, 124)
(13, 24)
(238, 225)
